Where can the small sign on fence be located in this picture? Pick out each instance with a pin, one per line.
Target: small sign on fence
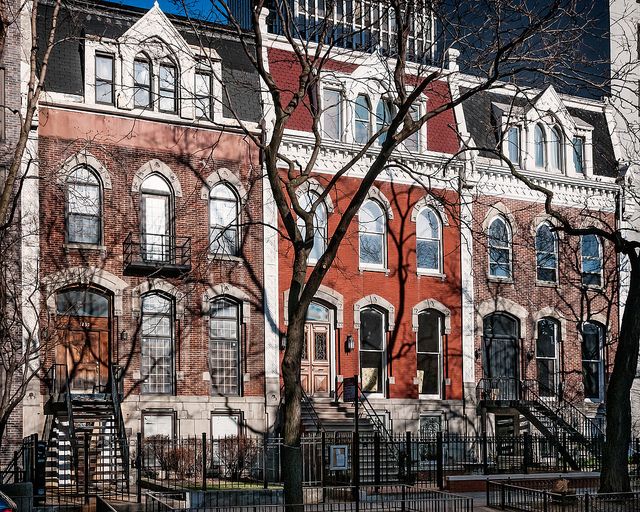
(350, 389)
(339, 457)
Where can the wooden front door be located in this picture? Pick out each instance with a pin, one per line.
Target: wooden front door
(315, 371)
(84, 349)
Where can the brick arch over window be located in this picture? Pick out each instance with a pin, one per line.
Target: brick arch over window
(84, 159)
(231, 291)
(432, 202)
(327, 295)
(157, 285)
(498, 305)
(223, 175)
(435, 305)
(155, 166)
(374, 300)
(83, 276)
(499, 210)
(374, 193)
(549, 312)
(313, 185)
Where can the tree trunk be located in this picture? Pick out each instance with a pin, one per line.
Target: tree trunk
(615, 469)
(292, 452)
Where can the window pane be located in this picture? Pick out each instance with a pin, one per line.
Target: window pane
(104, 68)
(591, 342)
(82, 303)
(428, 254)
(104, 92)
(556, 149)
(429, 373)
(203, 95)
(371, 365)
(383, 119)
(371, 330)
(332, 114)
(546, 376)
(363, 115)
(224, 347)
(371, 218)
(429, 331)
(591, 380)
(371, 249)
(546, 343)
(578, 154)
(538, 141)
(157, 344)
(428, 225)
(513, 144)
(84, 229)
(142, 83)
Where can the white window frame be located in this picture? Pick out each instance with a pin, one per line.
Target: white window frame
(423, 270)
(440, 327)
(211, 352)
(235, 223)
(555, 253)
(555, 359)
(341, 111)
(384, 235)
(601, 361)
(594, 258)
(509, 247)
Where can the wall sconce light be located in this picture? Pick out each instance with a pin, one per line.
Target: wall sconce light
(530, 355)
(476, 353)
(124, 336)
(283, 341)
(349, 344)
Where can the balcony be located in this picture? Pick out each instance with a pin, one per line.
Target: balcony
(157, 255)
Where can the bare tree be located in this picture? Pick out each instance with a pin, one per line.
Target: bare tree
(515, 39)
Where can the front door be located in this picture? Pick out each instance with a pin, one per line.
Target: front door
(84, 340)
(501, 356)
(315, 370)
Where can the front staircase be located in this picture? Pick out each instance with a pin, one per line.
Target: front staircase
(574, 435)
(87, 448)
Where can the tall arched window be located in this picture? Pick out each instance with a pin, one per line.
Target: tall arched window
(363, 119)
(372, 350)
(538, 146)
(546, 254)
(591, 252)
(224, 346)
(319, 224)
(372, 225)
(555, 142)
(157, 346)
(84, 207)
(429, 347)
(156, 219)
(592, 360)
(500, 249)
(223, 218)
(168, 87)
(547, 356)
(142, 82)
(429, 241)
(384, 114)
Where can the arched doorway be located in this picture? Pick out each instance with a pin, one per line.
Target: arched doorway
(83, 322)
(501, 354)
(315, 371)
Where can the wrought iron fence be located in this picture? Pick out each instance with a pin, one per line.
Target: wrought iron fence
(518, 497)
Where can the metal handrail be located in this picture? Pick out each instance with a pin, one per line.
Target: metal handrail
(114, 371)
(314, 413)
(374, 418)
(160, 249)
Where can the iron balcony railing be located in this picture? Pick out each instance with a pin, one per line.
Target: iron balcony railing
(148, 253)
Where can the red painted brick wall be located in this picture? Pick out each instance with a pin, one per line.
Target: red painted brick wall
(402, 287)
(569, 297)
(123, 146)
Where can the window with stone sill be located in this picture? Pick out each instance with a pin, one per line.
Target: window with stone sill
(84, 207)
(372, 227)
(429, 241)
(104, 85)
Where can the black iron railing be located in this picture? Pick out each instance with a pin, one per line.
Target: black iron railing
(151, 253)
(116, 398)
(307, 404)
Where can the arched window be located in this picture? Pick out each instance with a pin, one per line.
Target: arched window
(500, 249)
(319, 224)
(592, 361)
(84, 207)
(546, 254)
(363, 119)
(157, 346)
(591, 252)
(168, 87)
(223, 218)
(429, 347)
(555, 142)
(538, 146)
(224, 347)
(429, 241)
(513, 145)
(156, 223)
(372, 349)
(547, 345)
(142, 82)
(82, 302)
(384, 113)
(372, 225)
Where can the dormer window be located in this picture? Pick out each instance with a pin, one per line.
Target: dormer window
(104, 79)
(142, 83)
(555, 149)
(412, 143)
(578, 154)
(203, 95)
(538, 146)
(167, 87)
(513, 145)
